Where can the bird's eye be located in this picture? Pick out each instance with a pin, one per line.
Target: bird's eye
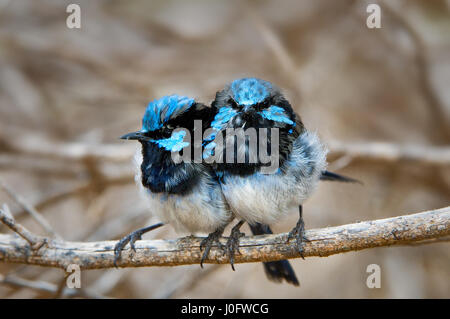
(233, 103)
(261, 106)
(170, 126)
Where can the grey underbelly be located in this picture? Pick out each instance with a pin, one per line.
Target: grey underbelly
(263, 199)
(203, 210)
(268, 198)
(190, 213)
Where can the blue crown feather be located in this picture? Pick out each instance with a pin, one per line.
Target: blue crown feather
(161, 110)
(249, 91)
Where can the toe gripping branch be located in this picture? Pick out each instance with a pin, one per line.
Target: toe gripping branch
(208, 242)
(233, 242)
(231, 247)
(298, 232)
(132, 238)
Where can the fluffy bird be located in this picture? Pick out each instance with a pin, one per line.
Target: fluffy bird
(185, 195)
(255, 196)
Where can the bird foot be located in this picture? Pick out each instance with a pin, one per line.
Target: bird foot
(233, 242)
(298, 232)
(131, 239)
(207, 243)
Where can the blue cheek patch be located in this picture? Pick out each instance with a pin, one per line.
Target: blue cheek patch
(277, 114)
(174, 143)
(224, 115)
(249, 91)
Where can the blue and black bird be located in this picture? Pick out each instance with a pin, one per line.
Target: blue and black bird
(183, 194)
(186, 195)
(254, 196)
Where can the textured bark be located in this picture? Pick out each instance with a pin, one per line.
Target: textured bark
(423, 227)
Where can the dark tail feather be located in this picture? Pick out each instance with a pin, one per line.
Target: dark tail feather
(275, 270)
(330, 176)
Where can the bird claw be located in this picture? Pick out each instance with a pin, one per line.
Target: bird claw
(134, 238)
(208, 242)
(233, 243)
(131, 238)
(298, 232)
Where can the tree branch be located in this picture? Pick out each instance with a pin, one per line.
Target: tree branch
(46, 287)
(401, 230)
(34, 145)
(424, 69)
(28, 208)
(390, 152)
(7, 219)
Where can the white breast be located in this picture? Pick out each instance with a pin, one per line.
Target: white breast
(268, 198)
(202, 210)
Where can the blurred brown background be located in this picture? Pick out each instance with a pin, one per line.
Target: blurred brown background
(63, 91)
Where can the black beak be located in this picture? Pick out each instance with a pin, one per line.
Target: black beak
(133, 136)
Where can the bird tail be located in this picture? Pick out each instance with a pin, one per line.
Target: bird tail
(333, 177)
(275, 270)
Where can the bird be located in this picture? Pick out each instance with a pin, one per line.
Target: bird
(256, 196)
(184, 194)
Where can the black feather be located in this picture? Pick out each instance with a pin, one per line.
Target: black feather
(250, 119)
(275, 270)
(333, 177)
(159, 173)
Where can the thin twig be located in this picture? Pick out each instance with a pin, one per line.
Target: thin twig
(390, 152)
(76, 190)
(340, 163)
(399, 230)
(39, 146)
(383, 151)
(423, 67)
(61, 285)
(177, 285)
(7, 219)
(273, 42)
(276, 46)
(29, 209)
(47, 287)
